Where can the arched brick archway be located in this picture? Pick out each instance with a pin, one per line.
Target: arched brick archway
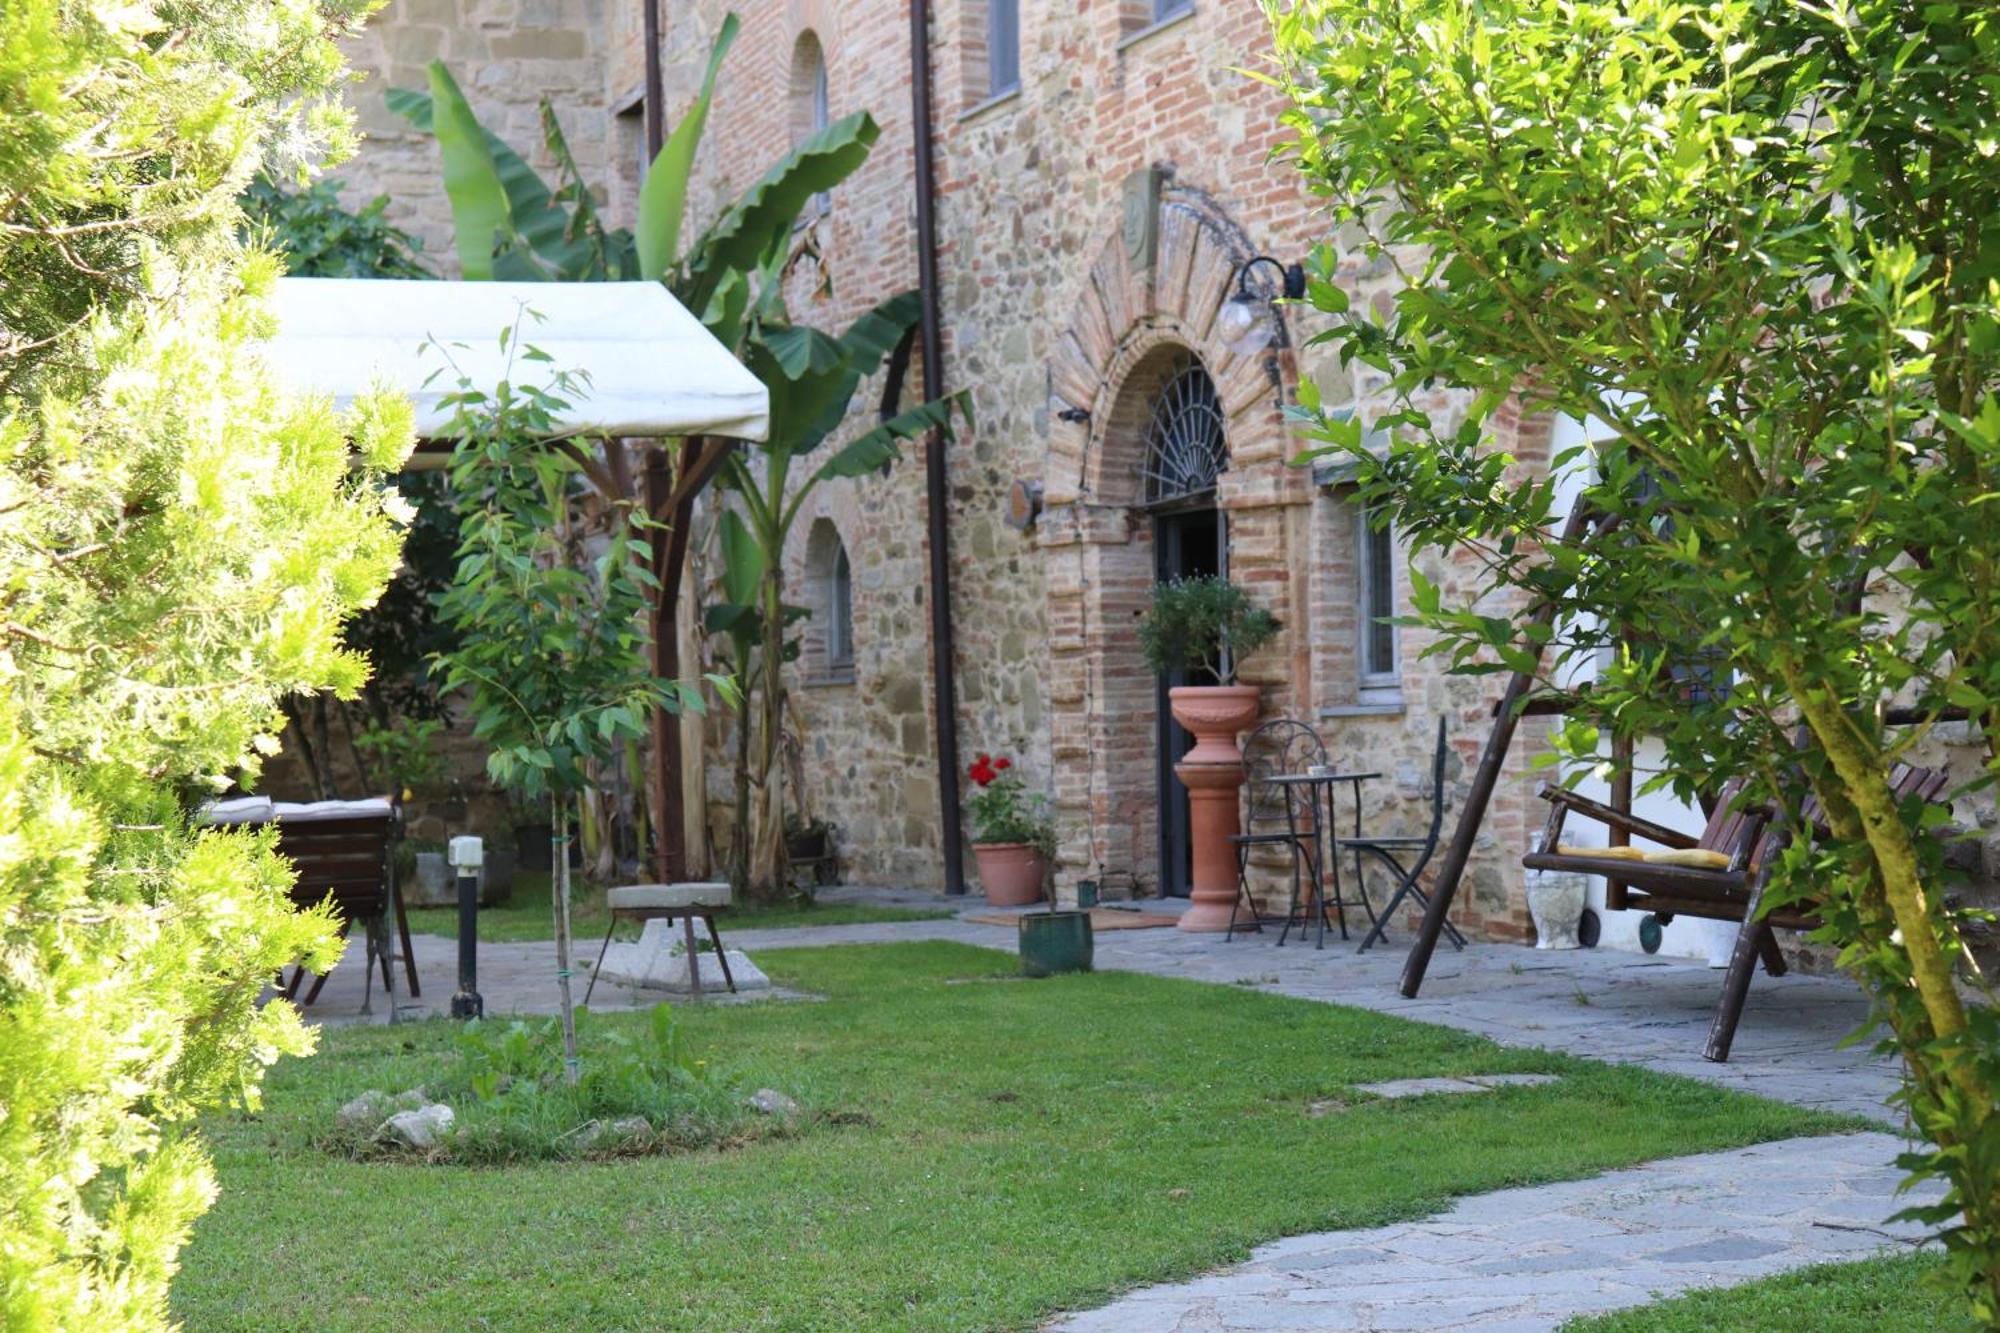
(1132, 325)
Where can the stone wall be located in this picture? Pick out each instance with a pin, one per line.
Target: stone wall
(507, 56)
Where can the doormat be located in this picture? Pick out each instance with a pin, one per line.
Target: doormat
(1101, 918)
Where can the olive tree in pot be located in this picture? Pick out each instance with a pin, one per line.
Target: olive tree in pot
(1199, 628)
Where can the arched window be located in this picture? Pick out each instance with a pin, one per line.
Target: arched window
(1380, 666)
(840, 614)
(812, 108)
(1185, 448)
(829, 588)
(1003, 46)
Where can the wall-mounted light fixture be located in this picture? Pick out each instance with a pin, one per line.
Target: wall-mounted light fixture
(1241, 323)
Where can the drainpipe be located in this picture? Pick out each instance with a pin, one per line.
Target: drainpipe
(656, 91)
(936, 493)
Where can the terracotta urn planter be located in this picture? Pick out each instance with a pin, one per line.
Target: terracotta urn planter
(1212, 771)
(1010, 872)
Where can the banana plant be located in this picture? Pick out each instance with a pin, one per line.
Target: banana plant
(508, 223)
(812, 377)
(737, 620)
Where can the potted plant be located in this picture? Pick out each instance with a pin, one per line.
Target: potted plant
(807, 837)
(1199, 628)
(1011, 833)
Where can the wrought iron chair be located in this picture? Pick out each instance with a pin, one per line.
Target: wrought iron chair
(1275, 819)
(1405, 856)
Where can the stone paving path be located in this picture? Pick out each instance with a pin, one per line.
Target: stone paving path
(1531, 1258)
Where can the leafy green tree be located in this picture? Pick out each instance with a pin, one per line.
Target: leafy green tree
(1759, 241)
(551, 650)
(813, 377)
(181, 544)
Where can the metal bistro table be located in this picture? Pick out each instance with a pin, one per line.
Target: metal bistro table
(1313, 785)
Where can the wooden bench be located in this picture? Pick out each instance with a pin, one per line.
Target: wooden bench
(344, 851)
(1747, 845)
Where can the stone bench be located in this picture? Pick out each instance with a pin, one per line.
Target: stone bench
(653, 961)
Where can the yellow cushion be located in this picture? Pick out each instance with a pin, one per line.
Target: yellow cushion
(1602, 853)
(1699, 858)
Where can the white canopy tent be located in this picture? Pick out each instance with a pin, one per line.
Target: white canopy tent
(654, 370)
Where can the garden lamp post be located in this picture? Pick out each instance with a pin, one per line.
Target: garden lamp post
(468, 854)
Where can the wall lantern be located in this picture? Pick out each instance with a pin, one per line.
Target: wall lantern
(1241, 323)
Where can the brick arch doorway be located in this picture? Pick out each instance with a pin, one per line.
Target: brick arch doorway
(1185, 447)
(1105, 536)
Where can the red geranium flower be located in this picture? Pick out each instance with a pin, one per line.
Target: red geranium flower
(982, 771)
(1003, 763)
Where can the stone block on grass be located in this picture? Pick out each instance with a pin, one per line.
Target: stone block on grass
(658, 960)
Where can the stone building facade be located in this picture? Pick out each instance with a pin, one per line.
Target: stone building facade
(1094, 221)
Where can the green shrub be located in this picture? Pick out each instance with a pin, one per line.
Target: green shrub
(1202, 624)
(321, 238)
(511, 1102)
(180, 545)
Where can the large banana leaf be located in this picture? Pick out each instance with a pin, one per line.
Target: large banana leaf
(812, 376)
(867, 341)
(878, 446)
(743, 559)
(539, 223)
(876, 333)
(801, 401)
(481, 220)
(744, 235)
(663, 198)
(589, 251)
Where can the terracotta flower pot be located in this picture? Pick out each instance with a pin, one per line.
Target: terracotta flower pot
(1215, 714)
(1212, 771)
(1010, 872)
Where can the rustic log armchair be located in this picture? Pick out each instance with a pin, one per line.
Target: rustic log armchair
(1720, 875)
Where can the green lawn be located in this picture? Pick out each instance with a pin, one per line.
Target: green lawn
(1887, 1295)
(527, 916)
(996, 1150)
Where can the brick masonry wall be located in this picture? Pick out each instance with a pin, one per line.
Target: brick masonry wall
(1042, 311)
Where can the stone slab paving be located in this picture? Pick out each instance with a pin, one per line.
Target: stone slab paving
(1397, 1089)
(514, 978)
(1532, 1258)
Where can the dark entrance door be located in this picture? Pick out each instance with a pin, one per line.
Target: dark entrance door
(1187, 543)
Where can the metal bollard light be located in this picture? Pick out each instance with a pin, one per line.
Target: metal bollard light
(467, 855)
